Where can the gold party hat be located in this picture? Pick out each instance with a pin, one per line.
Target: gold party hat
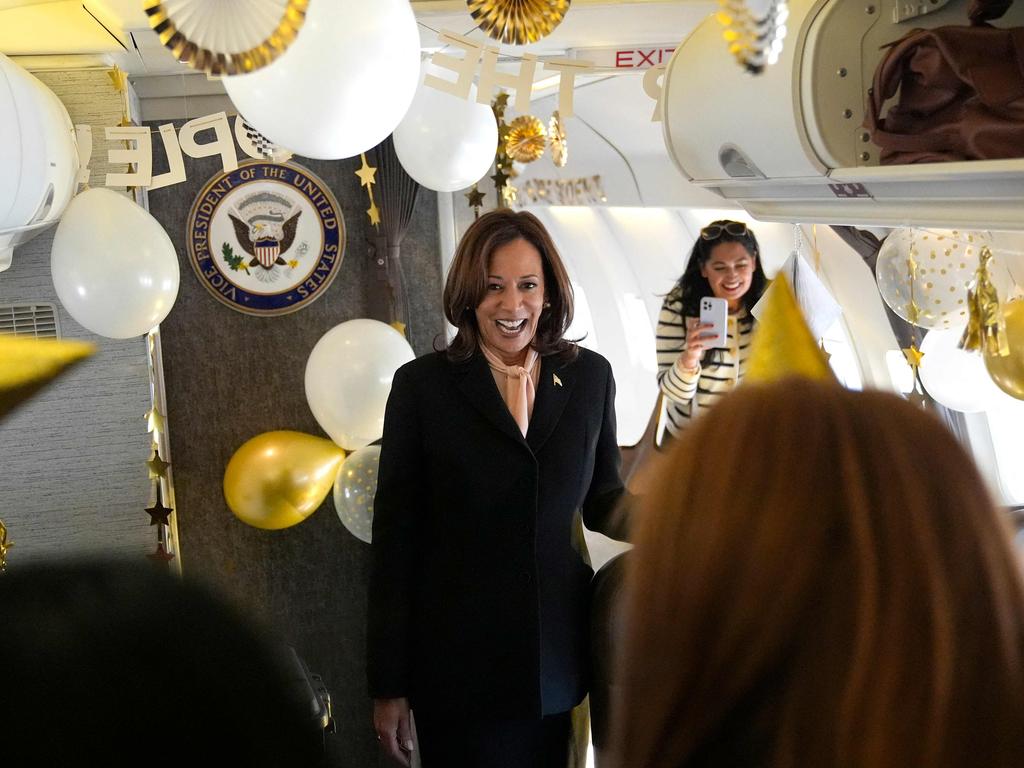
(782, 344)
(27, 364)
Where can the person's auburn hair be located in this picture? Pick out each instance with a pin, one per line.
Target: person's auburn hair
(466, 285)
(821, 579)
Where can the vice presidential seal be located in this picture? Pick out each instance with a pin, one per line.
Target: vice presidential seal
(266, 239)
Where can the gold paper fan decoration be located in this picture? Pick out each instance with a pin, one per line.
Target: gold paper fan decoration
(526, 139)
(556, 136)
(518, 22)
(226, 37)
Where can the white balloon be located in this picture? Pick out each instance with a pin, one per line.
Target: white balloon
(955, 378)
(342, 86)
(944, 265)
(446, 143)
(113, 266)
(348, 379)
(354, 489)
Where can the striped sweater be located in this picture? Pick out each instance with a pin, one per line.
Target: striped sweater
(709, 382)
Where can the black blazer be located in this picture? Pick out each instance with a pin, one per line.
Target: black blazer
(478, 592)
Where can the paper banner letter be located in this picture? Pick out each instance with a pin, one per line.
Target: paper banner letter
(465, 67)
(652, 87)
(175, 162)
(222, 144)
(140, 155)
(522, 83)
(567, 70)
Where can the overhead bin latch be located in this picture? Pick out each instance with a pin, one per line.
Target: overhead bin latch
(736, 164)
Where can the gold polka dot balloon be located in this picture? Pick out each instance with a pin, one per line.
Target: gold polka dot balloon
(354, 489)
(923, 274)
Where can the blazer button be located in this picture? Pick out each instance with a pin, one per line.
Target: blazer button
(527, 577)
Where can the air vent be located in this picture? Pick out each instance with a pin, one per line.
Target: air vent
(37, 320)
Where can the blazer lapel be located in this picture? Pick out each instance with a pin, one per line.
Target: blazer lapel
(477, 383)
(554, 385)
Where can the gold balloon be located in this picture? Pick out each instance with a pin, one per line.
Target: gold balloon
(1008, 371)
(278, 479)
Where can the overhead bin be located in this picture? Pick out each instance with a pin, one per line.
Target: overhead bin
(38, 157)
(789, 145)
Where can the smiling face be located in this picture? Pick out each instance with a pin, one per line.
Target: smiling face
(514, 299)
(729, 270)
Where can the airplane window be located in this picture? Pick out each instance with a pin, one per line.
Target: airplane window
(900, 373)
(1006, 425)
(836, 342)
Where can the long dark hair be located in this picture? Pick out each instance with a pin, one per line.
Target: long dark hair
(466, 285)
(693, 286)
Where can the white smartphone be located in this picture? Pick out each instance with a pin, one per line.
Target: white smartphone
(715, 311)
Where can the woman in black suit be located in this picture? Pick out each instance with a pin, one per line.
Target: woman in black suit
(494, 451)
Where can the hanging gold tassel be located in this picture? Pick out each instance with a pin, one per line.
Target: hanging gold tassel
(986, 326)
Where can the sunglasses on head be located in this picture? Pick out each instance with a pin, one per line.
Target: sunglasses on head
(714, 231)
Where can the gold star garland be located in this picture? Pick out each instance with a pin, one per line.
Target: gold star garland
(502, 162)
(160, 515)
(917, 392)
(476, 200)
(5, 544)
(913, 310)
(367, 178)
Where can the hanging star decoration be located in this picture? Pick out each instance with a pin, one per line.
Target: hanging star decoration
(158, 513)
(367, 178)
(161, 556)
(157, 466)
(155, 423)
(916, 395)
(476, 200)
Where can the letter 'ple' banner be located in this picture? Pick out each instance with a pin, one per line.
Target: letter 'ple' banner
(479, 62)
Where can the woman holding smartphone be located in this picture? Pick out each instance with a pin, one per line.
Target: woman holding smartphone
(725, 263)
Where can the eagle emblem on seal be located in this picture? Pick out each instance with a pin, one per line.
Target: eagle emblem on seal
(265, 226)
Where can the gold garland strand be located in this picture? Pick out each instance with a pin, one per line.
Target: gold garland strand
(367, 178)
(502, 162)
(986, 325)
(162, 488)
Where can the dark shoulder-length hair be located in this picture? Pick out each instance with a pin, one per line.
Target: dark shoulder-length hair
(820, 578)
(693, 286)
(467, 283)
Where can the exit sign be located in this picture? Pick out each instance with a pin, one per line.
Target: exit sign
(626, 56)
